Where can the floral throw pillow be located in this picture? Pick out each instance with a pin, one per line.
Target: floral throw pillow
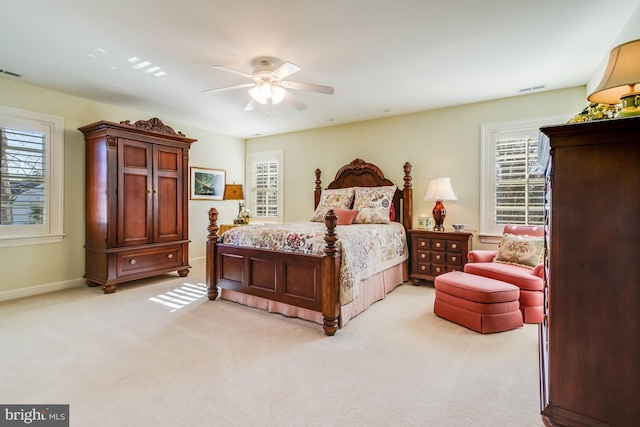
(524, 251)
(339, 198)
(373, 204)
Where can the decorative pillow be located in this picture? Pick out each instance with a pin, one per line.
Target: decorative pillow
(524, 251)
(339, 198)
(345, 216)
(373, 204)
(392, 213)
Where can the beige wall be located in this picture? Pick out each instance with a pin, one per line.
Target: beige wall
(440, 142)
(443, 142)
(32, 269)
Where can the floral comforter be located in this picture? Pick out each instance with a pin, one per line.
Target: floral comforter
(366, 249)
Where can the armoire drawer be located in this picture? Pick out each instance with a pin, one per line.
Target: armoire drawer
(159, 258)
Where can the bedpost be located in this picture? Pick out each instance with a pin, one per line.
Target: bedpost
(330, 277)
(318, 191)
(212, 239)
(407, 196)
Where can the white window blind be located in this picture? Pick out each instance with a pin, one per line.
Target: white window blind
(31, 177)
(519, 182)
(265, 185)
(512, 180)
(22, 177)
(265, 178)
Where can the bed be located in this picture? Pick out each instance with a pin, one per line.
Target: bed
(311, 280)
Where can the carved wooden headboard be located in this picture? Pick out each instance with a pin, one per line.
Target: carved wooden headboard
(359, 173)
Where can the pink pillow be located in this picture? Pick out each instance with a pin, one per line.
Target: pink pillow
(345, 216)
(392, 213)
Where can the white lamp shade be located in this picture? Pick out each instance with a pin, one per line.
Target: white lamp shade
(623, 71)
(440, 189)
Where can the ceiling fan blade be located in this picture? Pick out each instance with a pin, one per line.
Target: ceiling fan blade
(308, 86)
(221, 89)
(285, 70)
(291, 99)
(251, 105)
(231, 70)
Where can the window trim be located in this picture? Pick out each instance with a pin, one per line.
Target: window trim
(54, 225)
(488, 140)
(265, 156)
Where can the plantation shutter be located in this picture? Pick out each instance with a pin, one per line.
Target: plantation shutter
(22, 177)
(265, 186)
(519, 182)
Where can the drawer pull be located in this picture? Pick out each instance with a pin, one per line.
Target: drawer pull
(438, 245)
(132, 261)
(170, 256)
(423, 256)
(423, 243)
(454, 246)
(438, 257)
(423, 268)
(437, 269)
(453, 258)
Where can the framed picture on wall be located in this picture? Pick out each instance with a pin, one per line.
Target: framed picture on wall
(207, 184)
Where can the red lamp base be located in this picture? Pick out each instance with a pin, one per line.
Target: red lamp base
(439, 214)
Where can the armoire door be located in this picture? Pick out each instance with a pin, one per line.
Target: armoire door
(135, 193)
(168, 195)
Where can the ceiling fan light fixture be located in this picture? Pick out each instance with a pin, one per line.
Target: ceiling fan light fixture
(264, 92)
(277, 94)
(261, 93)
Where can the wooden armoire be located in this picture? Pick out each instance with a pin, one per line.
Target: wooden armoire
(590, 338)
(137, 187)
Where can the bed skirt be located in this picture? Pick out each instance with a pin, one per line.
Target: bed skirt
(372, 289)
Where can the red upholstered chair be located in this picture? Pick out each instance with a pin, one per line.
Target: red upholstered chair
(527, 276)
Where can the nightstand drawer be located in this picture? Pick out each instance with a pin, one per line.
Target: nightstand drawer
(438, 244)
(453, 246)
(422, 244)
(437, 269)
(438, 257)
(424, 256)
(454, 259)
(423, 268)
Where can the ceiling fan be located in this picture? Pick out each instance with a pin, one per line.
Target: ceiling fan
(268, 85)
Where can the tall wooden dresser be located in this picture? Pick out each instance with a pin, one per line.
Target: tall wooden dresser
(590, 339)
(137, 186)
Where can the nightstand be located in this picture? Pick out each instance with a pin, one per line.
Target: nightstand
(437, 252)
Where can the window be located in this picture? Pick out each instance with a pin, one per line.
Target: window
(264, 178)
(31, 170)
(512, 182)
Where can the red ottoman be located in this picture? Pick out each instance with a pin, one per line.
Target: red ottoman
(479, 303)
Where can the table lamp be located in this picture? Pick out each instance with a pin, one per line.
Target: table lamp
(618, 84)
(439, 189)
(234, 192)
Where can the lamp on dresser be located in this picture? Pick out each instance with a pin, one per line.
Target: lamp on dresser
(439, 189)
(620, 78)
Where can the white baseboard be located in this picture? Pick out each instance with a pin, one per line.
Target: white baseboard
(40, 289)
(51, 287)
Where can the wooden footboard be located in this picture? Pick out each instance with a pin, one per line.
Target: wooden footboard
(306, 281)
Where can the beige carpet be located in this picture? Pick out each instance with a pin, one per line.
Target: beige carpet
(144, 357)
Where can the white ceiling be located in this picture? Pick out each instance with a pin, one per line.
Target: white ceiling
(404, 56)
